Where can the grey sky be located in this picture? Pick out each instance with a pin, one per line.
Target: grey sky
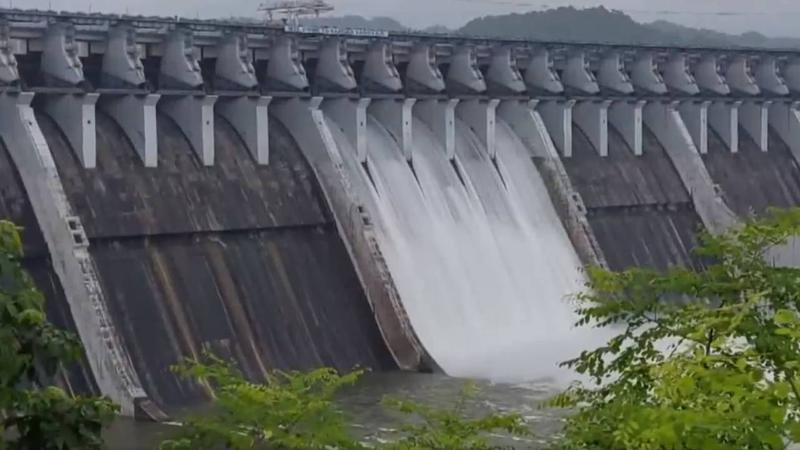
(771, 17)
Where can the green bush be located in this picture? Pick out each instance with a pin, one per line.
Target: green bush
(719, 372)
(31, 349)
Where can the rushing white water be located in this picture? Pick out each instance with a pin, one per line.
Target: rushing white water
(482, 263)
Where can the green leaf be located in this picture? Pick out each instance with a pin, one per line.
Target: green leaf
(785, 317)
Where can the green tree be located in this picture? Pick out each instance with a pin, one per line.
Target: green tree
(32, 351)
(704, 360)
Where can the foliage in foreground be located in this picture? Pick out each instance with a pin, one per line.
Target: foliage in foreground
(33, 350)
(291, 410)
(297, 411)
(718, 372)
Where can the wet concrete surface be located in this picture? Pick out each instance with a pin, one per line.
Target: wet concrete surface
(640, 213)
(237, 259)
(753, 180)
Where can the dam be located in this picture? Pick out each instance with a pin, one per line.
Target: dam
(291, 198)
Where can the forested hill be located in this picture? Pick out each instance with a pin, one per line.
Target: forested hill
(579, 25)
(603, 25)
(563, 24)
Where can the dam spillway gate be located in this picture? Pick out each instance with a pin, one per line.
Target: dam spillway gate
(292, 198)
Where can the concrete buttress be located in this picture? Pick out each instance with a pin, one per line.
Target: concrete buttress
(122, 64)
(664, 119)
(592, 118)
(440, 115)
(351, 116)
(69, 251)
(481, 117)
(678, 77)
(540, 74)
(723, 117)
(136, 114)
(769, 78)
(179, 67)
(578, 76)
(249, 115)
(75, 115)
(754, 118)
(9, 70)
(397, 117)
(379, 72)
(626, 117)
(285, 70)
(739, 76)
(194, 115)
(612, 76)
(333, 69)
(422, 74)
(695, 118)
(463, 75)
(61, 64)
(557, 116)
(784, 117)
(503, 75)
(707, 73)
(234, 68)
(309, 126)
(645, 75)
(791, 74)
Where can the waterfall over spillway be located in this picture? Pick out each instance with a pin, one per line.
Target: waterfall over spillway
(476, 249)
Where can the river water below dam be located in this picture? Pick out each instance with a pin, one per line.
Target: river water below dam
(371, 421)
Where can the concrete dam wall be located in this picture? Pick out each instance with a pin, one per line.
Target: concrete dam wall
(267, 283)
(751, 179)
(639, 210)
(295, 198)
(239, 259)
(14, 206)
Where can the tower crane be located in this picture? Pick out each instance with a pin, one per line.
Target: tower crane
(293, 10)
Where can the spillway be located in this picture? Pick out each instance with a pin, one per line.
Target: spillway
(638, 208)
(14, 206)
(476, 249)
(239, 259)
(328, 198)
(753, 180)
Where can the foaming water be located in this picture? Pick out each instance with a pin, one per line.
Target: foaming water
(477, 251)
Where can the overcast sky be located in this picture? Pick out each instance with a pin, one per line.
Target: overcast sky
(771, 17)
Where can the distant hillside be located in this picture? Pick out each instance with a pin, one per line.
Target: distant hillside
(568, 23)
(576, 25)
(602, 25)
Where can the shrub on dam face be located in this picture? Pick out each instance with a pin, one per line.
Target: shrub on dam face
(721, 372)
(32, 352)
